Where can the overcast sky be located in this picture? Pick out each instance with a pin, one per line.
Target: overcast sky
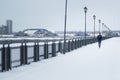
(49, 14)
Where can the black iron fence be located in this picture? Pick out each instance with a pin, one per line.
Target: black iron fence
(14, 53)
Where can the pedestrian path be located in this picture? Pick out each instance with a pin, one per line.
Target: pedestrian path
(87, 63)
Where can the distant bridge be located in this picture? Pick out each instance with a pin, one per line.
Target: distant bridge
(34, 29)
(40, 31)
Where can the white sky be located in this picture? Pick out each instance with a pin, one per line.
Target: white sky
(49, 14)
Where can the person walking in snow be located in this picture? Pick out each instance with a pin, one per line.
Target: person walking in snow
(99, 38)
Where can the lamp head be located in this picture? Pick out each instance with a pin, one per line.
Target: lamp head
(94, 17)
(85, 9)
(99, 21)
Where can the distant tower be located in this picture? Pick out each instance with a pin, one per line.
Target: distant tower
(9, 25)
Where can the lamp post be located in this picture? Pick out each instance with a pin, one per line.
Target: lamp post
(85, 10)
(94, 17)
(99, 25)
(64, 47)
(102, 27)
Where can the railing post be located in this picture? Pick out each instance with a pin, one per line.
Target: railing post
(35, 55)
(66, 46)
(8, 57)
(45, 50)
(81, 43)
(86, 42)
(53, 49)
(36, 52)
(60, 47)
(21, 54)
(77, 43)
(72, 45)
(26, 59)
(69, 49)
(3, 58)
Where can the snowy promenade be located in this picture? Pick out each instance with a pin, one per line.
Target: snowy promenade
(86, 63)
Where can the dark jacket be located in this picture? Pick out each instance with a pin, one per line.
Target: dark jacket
(99, 37)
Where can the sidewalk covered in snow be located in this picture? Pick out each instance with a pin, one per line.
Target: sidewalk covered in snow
(86, 63)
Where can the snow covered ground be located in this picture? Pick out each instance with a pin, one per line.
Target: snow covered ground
(86, 63)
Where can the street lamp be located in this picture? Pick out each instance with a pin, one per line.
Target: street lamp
(99, 25)
(94, 17)
(64, 47)
(85, 10)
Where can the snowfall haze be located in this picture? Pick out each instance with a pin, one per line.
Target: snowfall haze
(49, 14)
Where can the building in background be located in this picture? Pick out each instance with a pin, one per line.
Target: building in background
(3, 29)
(6, 29)
(9, 25)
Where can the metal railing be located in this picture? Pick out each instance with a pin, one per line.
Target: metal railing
(27, 51)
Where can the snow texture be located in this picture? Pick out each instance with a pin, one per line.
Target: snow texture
(86, 63)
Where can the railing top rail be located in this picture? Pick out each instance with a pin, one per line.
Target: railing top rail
(36, 40)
